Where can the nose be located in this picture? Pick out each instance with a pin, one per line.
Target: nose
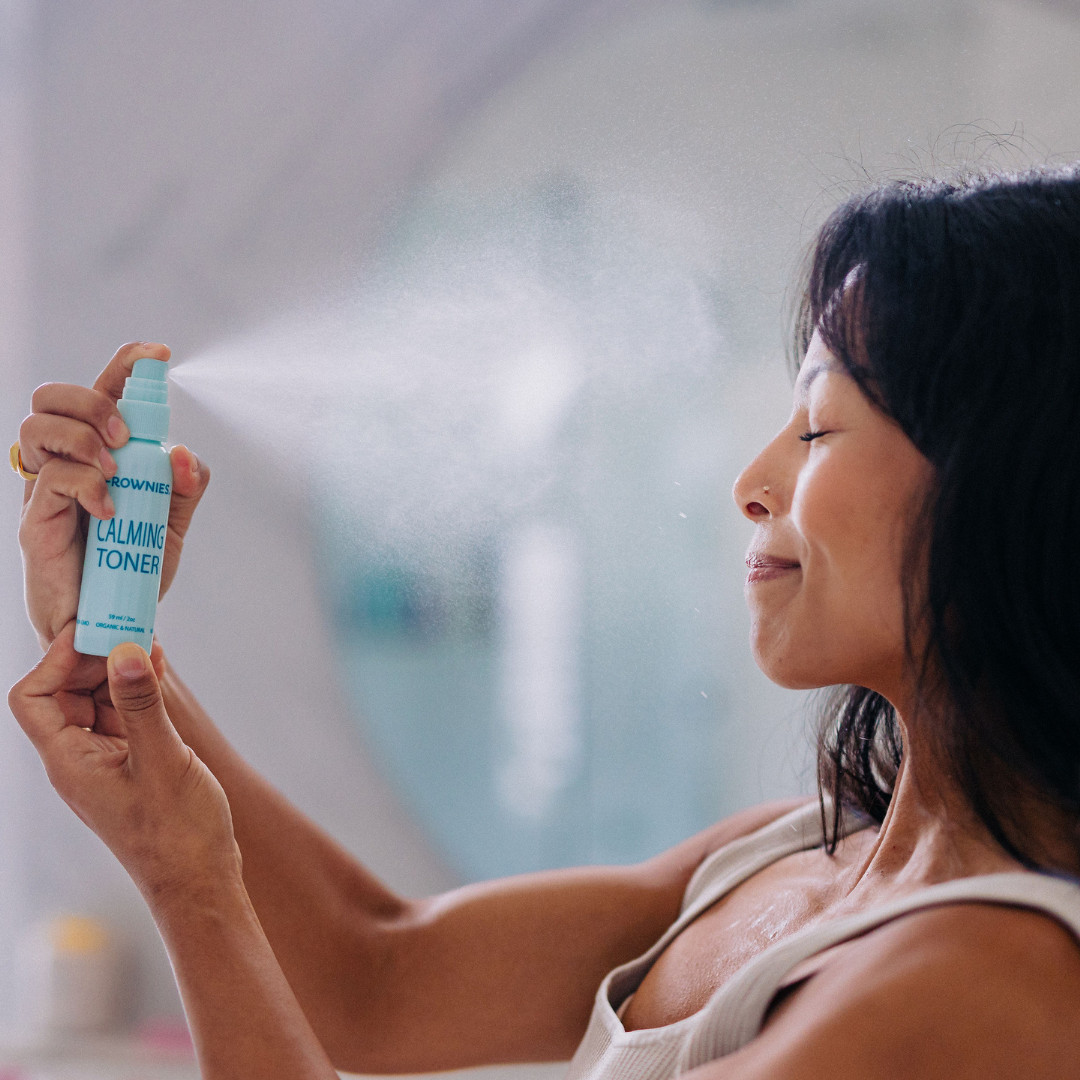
(751, 492)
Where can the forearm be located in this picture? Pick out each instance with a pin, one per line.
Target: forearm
(244, 1017)
(324, 915)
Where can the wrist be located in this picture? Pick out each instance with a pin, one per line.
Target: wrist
(186, 896)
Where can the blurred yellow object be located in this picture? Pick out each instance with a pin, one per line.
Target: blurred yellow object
(78, 934)
(69, 978)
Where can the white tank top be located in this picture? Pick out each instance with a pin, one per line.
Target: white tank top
(734, 1014)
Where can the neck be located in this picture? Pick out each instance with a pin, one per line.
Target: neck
(930, 833)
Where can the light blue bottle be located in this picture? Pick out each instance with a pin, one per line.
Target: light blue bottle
(122, 568)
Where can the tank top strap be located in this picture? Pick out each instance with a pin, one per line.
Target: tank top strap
(736, 1012)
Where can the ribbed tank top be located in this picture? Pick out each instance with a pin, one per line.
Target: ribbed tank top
(736, 1011)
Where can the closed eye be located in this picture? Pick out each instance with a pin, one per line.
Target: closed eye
(810, 436)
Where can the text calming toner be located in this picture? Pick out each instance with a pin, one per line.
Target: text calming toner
(122, 568)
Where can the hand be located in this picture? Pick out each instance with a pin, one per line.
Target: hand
(114, 757)
(66, 440)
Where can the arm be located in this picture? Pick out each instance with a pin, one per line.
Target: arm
(243, 1014)
(960, 992)
(497, 972)
(113, 756)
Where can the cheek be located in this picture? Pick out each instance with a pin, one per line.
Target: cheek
(841, 618)
(844, 518)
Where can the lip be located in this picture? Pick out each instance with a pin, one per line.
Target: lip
(764, 567)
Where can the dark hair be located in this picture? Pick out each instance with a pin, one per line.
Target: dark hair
(956, 307)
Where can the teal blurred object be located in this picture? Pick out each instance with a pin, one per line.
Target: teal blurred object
(521, 517)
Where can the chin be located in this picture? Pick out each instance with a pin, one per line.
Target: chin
(791, 679)
(787, 665)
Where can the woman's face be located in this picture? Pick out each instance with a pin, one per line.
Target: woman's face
(832, 496)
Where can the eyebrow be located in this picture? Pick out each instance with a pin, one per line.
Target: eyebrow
(815, 369)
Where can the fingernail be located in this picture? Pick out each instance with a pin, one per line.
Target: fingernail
(129, 661)
(195, 466)
(108, 463)
(110, 506)
(117, 429)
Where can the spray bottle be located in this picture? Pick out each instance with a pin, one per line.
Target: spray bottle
(122, 568)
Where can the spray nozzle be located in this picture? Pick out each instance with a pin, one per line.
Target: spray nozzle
(147, 381)
(144, 405)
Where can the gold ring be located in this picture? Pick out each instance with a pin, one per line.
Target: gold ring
(15, 456)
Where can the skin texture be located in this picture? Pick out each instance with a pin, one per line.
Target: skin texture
(506, 970)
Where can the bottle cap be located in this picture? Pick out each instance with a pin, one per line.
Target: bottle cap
(144, 405)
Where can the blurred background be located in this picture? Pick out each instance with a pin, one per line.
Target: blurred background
(477, 309)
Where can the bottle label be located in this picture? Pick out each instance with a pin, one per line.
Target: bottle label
(122, 567)
(126, 545)
(154, 486)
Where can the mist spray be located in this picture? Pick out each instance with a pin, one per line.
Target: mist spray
(122, 568)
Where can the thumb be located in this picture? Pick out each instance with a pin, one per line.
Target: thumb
(136, 696)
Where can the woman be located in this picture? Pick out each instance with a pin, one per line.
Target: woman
(916, 521)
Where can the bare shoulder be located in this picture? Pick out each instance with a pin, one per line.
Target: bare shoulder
(682, 860)
(965, 990)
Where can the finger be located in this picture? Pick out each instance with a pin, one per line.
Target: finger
(190, 478)
(136, 697)
(59, 484)
(111, 380)
(90, 406)
(157, 658)
(33, 700)
(46, 435)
